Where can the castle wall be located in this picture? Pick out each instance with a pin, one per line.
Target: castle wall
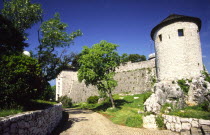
(178, 56)
(132, 77)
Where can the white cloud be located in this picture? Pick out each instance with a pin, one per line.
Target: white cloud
(204, 56)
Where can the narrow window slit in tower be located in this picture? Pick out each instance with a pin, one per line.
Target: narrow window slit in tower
(160, 37)
(180, 32)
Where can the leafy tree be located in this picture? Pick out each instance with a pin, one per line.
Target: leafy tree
(132, 57)
(8, 32)
(22, 13)
(75, 61)
(19, 81)
(124, 58)
(97, 67)
(51, 36)
(136, 58)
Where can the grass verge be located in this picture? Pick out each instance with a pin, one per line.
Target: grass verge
(30, 106)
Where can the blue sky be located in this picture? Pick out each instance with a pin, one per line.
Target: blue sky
(127, 23)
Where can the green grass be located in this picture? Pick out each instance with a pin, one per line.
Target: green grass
(192, 112)
(6, 112)
(126, 111)
(30, 106)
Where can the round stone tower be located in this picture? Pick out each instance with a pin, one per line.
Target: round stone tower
(178, 48)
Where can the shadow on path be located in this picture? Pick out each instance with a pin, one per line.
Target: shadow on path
(67, 122)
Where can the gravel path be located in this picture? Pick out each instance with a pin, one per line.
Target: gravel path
(86, 122)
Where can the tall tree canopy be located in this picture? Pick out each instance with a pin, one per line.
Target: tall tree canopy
(97, 66)
(53, 35)
(11, 40)
(22, 13)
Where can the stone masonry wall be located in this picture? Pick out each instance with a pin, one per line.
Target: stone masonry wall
(178, 56)
(40, 122)
(132, 77)
(177, 124)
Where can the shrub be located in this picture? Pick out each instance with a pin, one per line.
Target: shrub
(205, 106)
(66, 101)
(207, 77)
(20, 80)
(134, 121)
(183, 85)
(92, 99)
(160, 122)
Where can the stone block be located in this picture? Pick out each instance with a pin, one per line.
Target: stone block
(185, 132)
(195, 123)
(204, 122)
(184, 120)
(149, 122)
(168, 125)
(196, 131)
(178, 127)
(173, 127)
(178, 120)
(206, 129)
(186, 126)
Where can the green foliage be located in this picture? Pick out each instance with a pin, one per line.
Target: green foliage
(134, 121)
(146, 95)
(165, 106)
(201, 111)
(160, 122)
(49, 92)
(53, 35)
(132, 57)
(97, 66)
(205, 106)
(183, 85)
(22, 13)
(8, 32)
(66, 101)
(207, 77)
(19, 74)
(92, 99)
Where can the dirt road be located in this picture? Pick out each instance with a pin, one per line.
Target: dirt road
(86, 122)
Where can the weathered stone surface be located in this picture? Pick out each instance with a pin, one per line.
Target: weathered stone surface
(168, 125)
(186, 126)
(195, 123)
(206, 129)
(149, 122)
(134, 78)
(204, 122)
(185, 132)
(35, 122)
(196, 131)
(178, 127)
(185, 120)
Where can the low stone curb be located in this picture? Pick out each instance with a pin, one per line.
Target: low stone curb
(178, 124)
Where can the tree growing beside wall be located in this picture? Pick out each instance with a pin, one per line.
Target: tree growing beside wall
(97, 67)
(132, 57)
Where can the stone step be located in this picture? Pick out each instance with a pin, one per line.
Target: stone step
(196, 131)
(185, 132)
(206, 129)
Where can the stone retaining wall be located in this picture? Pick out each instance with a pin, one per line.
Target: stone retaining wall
(40, 122)
(177, 124)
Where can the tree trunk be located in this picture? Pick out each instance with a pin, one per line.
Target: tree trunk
(111, 98)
